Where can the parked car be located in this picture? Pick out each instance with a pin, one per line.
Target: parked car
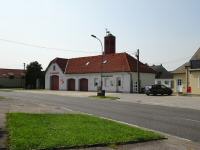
(158, 89)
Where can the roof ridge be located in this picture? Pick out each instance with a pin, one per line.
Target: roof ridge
(97, 55)
(198, 51)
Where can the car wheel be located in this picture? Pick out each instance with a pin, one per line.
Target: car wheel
(169, 94)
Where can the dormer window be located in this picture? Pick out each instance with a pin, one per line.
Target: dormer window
(87, 63)
(105, 61)
(54, 67)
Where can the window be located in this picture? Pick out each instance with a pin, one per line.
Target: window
(119, 82)
(95, 82)
(87, 63)
(179, 82)
(135, 86)
(105, 61)
(54, 67)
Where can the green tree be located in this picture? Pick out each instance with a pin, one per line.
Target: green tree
(33, 73)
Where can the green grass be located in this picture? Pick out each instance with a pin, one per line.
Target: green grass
(48, 131)
(105, 97)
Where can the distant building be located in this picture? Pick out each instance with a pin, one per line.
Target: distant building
(12, 78)
(118, 70)
(163, 76)
(187, 76)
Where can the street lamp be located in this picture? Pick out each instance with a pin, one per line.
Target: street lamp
(100, 91)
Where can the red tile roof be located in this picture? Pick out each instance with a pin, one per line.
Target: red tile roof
(17, 73)
(118, 62)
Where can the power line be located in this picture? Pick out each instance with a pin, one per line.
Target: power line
(39, 46)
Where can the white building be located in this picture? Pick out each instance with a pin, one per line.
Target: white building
(118, 72)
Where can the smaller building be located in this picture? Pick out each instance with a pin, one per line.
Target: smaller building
(163, 76)
(187, 76)
(12, 78)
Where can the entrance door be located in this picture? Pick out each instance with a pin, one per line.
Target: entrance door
(54, 82)
(179, 87)
(83, 84)
(71, 84)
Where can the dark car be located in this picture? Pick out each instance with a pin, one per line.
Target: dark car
(158, 89)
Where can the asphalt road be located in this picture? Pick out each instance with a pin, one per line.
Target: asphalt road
(180, 122)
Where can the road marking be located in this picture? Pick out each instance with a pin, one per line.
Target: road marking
(191, 120)
(68, 109)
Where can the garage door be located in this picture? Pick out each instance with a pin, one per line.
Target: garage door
(54, 82)
(83, 83)
(71, 84)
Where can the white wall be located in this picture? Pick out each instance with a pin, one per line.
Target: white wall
(109, 85)
(57, 71)
(111, 80)
(145, 79)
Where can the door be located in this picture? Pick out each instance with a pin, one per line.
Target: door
(179, 87)
(71, 84)
(54, 82)
(83, 84)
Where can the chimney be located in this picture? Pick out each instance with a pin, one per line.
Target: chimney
(109, 44)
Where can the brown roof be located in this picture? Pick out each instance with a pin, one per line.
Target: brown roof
(181, 69)
(118, 62)
(161, 72)
(196, 56)
(61, 63)
(17, 73)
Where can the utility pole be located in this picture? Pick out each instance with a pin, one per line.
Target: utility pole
(138, 69)
(24, 75)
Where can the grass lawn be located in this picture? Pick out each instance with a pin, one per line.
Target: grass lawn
(48, 131)
(105, 97)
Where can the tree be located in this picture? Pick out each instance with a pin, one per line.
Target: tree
(33, 73)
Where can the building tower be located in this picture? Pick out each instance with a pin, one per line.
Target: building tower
(109, 43)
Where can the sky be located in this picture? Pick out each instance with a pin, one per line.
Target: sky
(167, 32)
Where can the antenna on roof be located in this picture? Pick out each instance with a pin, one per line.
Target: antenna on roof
(107, 32)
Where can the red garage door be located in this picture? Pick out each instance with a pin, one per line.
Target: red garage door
(71, 84)
(54, 82)
(83, 83)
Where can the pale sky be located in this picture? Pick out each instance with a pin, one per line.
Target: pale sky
(165, 31)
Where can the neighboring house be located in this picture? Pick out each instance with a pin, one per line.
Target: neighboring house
(187, 77)
(163, 76)
(12, 78)
(118, 72)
